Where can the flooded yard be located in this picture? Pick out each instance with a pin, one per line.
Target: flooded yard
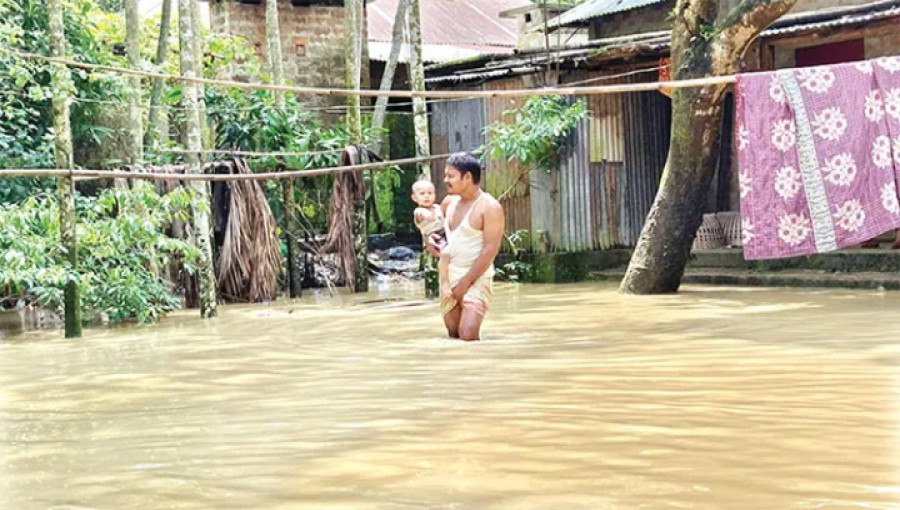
(579, 398)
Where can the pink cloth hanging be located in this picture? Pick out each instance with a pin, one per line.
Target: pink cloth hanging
(819, 156)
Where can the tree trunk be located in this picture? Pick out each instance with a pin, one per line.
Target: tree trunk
(353, 62)
(62, 87)
(201, 221)
(154, 134)
(365, 67)
(135, 118)
(294, 274)
(417, 81)
(420, 125)
(354, 128)
(372, 199)
(387, 78)
(206, 137)
(276, 68)
(273, 49)
(700, 48)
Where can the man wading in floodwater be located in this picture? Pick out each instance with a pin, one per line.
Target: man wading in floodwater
(474, 227)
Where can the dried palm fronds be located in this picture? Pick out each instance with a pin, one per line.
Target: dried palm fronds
(250, 255)
(347, 191)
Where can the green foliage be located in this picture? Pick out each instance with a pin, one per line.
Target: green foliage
(384, 183)
(252, 121)
(26, 136)
(111, 5)
(516, 270)
(402, 145)
(534, 133)
(708, 31)
(121, 245)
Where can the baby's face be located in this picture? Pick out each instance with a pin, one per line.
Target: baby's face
(423, 195)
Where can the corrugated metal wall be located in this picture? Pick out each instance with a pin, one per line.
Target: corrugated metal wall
(648, 119)
(501, 175)
(576, 217)
(628, 141)
(456, 126)
(606, 125)
(608, 173)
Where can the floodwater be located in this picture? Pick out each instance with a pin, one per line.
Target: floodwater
(579, 398)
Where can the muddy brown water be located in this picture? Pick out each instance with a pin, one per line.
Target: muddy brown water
(579, 398)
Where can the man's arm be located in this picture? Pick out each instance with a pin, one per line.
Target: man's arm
(494, 223)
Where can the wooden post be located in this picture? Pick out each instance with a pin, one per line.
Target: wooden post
(62, 87)
(154, 134)
(354, 127)
(201, 220)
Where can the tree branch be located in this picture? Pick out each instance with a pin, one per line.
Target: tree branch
(744, 23)
(693, 14)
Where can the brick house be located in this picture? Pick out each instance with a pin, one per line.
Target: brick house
(312, 37)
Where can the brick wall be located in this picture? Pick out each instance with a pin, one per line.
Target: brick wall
(312, 41)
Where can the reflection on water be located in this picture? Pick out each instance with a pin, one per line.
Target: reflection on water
(578, 398)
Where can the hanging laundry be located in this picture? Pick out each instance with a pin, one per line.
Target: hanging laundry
(819, 156)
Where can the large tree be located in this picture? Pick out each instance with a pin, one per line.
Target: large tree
(703, 44)
(201, 221)
(135, 117)
(62, 90)
(294, 278)
(387, 78)
(356, 32)
(154, 134)
(417, 81)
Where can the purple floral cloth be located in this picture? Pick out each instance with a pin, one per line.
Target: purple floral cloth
(819, 155)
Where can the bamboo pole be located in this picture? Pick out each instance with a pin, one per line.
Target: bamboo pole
(201, 220)
(62, 86)
(255, 153)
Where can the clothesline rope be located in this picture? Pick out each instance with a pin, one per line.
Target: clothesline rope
(273, 154)
(210, 109)
(262, 176)
(547, 91)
